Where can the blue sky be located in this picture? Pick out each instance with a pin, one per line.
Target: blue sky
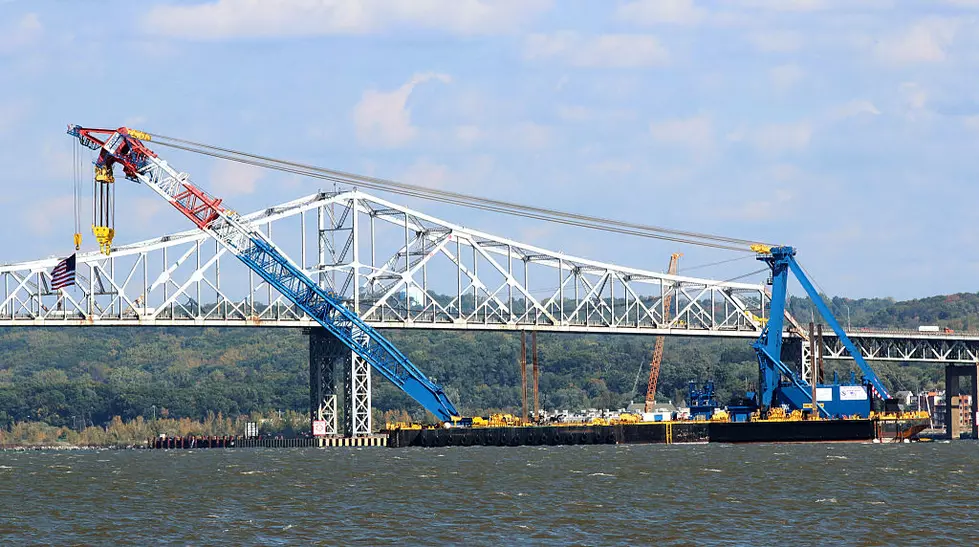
(846, 128)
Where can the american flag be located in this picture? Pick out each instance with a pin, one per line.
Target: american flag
(63, 274)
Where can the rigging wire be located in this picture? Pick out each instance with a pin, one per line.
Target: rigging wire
(423, 194)
(598, 223)
(749, 274)
(699, 266)
(74, 183)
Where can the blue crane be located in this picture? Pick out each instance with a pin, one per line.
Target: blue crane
(140, 164)
(795, 391)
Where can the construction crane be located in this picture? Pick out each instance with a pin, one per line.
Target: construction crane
(140, 164)
(660, 340)
(778, 385)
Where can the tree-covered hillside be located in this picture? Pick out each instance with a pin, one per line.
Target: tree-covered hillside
(74, 375)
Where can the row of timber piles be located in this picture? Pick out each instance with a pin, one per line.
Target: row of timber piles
(229, 441)
(198, 442)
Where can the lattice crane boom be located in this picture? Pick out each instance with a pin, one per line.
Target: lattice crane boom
(140, 164)
(657, 360)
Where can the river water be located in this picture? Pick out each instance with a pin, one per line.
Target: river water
(806, 494)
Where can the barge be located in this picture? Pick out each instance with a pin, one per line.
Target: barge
(877, 428)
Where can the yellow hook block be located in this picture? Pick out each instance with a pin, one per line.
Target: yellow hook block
(104, 235)
(104, 174)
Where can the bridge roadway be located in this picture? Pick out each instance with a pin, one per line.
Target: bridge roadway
(401, 268)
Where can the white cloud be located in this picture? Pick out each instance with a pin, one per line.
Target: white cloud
(222, 19)
(530, 135)
(382, 118)
(783, 5)
(776, 41)
(784, 77)
(810, 5)
(427, 173)
(650, 12)
(612, 167)
(926, 41)
(785, 172)
(468, 134)
(23, 33)
(12, 113)
(914, 99)
(581, 113)
(574, 113)
(764, 210)
(971, 122)
(775, 138)
(44, 216)
(232, 178)
(604, 50)
(695, 133)
(853, 109)
(433, 174)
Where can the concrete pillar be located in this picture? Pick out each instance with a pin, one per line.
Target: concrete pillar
(953, 373)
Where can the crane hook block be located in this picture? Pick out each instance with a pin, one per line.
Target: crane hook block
(78, 241)
(104, 234)
(104, 174)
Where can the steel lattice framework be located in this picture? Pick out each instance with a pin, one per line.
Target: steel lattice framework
(395, 266)
(414, 271)
(909, 346)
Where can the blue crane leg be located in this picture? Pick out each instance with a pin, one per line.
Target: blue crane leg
(837, 328)
(769, 345)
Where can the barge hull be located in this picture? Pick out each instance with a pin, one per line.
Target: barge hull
(652, 433)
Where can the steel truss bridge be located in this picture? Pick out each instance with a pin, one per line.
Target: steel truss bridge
(401, 268)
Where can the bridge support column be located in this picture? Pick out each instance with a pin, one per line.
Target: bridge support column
(325, 352)
(952, 397)
(358, 400)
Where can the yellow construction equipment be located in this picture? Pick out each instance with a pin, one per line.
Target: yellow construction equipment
(628, 418)
(660, 340)
(503, 420)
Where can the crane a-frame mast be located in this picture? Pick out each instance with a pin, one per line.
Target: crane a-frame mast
(768, 347)
(140, 164)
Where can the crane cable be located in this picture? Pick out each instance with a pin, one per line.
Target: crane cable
(76, 184)
(527, 211)
(464, 203)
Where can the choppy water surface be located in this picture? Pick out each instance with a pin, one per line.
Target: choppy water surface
(825, 494)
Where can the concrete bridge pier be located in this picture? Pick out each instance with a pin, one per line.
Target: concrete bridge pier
(952, 399)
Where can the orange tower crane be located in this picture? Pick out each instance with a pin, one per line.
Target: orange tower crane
(660, 340)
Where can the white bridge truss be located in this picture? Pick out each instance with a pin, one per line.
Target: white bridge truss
(908, 346)
(400, 268)
(397, 267)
